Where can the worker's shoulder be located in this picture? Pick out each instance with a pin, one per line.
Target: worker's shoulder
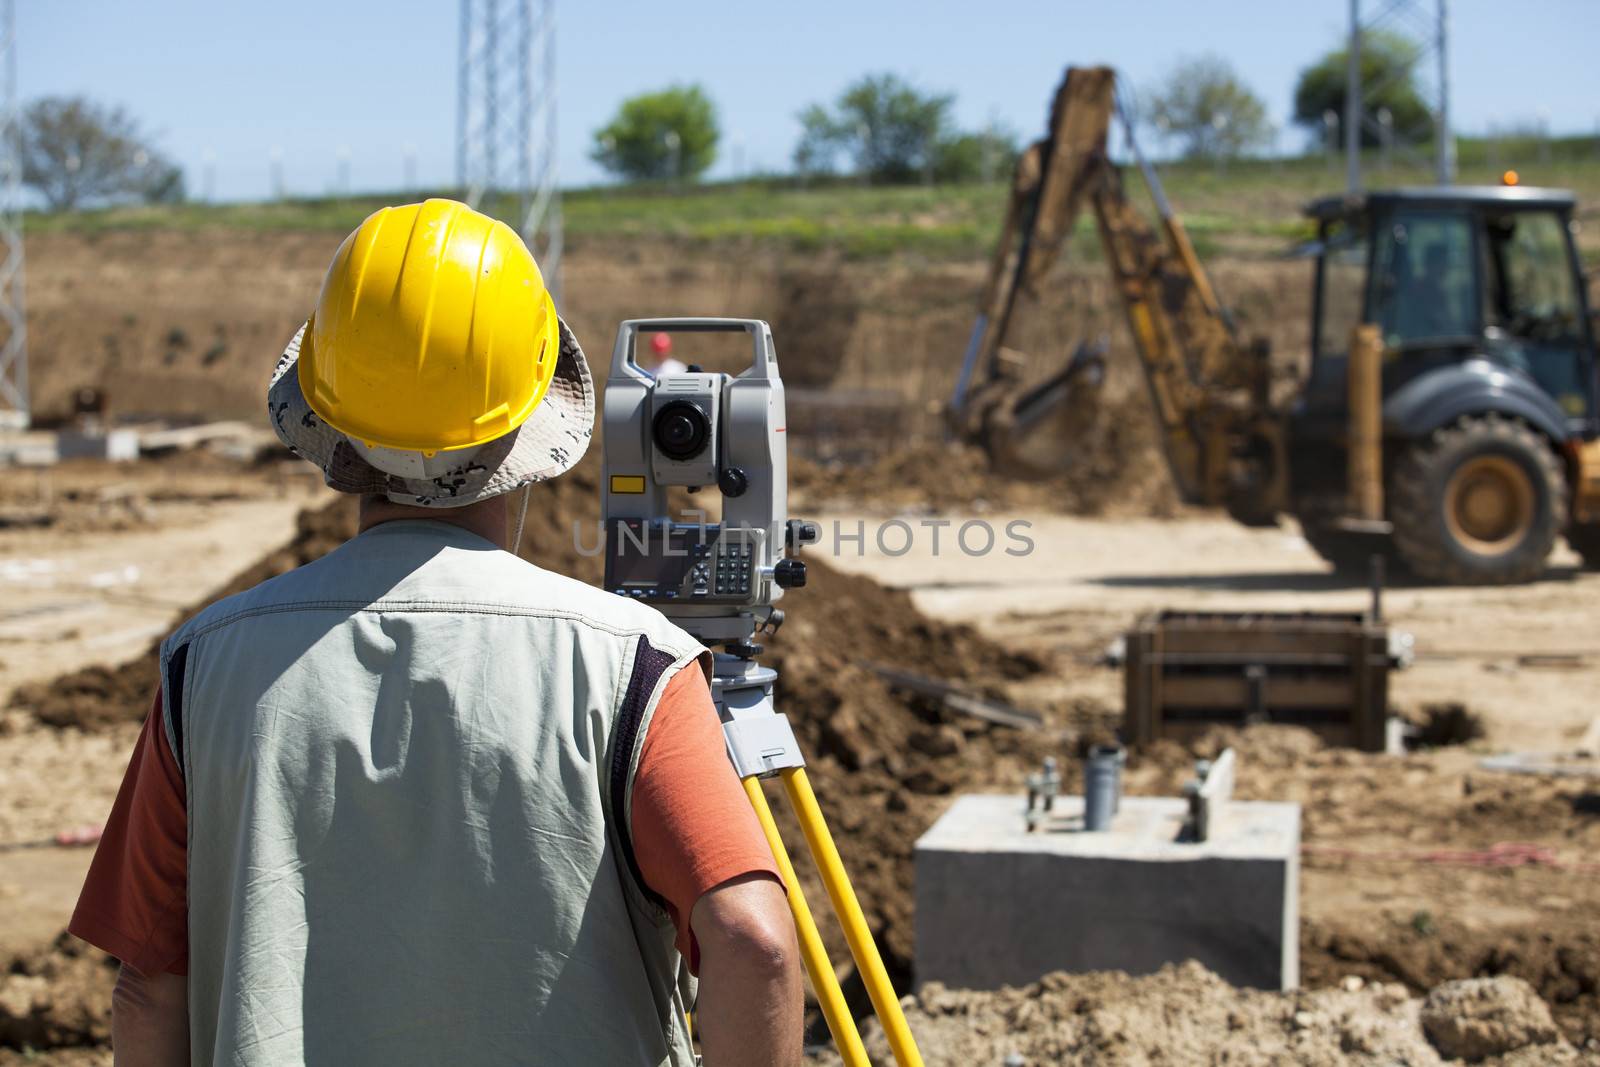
(249, 601)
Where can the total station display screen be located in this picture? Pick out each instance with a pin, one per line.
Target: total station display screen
(655, 556)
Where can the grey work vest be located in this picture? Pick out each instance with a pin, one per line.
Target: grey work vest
(409, 770)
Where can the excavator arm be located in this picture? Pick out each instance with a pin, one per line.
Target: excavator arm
(1221, 441)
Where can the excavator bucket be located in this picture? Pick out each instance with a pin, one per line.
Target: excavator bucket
(1037, 430)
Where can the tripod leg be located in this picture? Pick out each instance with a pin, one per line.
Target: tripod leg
(823, 981)
(848, 909)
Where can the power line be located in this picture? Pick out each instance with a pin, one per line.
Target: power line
(1426, 24)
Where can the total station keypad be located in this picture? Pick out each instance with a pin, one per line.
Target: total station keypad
(734, 566)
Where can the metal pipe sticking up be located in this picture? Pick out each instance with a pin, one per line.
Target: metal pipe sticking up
(1042, 790)
(1102, 786)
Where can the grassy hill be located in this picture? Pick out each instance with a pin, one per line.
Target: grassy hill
(1250, 208)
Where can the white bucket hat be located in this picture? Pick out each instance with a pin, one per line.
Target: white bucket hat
(550, 442)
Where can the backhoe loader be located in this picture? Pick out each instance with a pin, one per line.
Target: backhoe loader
(1449, 418)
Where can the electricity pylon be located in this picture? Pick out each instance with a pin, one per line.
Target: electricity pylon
(506, 121)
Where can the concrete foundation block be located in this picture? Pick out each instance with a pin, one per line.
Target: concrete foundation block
(118, 446)
(997, 905)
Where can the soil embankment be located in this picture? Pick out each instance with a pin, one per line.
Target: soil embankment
(188, 322)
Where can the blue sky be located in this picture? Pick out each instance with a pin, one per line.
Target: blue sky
(230, 82)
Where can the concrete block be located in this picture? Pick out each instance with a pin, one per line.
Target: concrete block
(118, 446)
(997, 905)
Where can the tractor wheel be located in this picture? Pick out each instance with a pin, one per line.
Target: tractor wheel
(1349, 553)
(1585, 541)
(1479, 502)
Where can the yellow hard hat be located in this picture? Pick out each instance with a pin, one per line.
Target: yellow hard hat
(434, 332)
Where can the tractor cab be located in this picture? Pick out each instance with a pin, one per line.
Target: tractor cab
(1478, 299)
(1456, 274)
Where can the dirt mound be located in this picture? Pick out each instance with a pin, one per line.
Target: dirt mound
(153, 317)
(1186, 1014)
(1111, 465)
(1558, 959)
(60, 996)
(1414, 839)
(1476, 1018)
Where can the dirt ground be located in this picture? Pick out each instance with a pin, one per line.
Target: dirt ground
(1185, 1014)
(1379, 901)
(1377, 898)
(1085, 580)
(95, 558)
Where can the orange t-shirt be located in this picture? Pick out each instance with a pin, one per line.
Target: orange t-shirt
(693, 829)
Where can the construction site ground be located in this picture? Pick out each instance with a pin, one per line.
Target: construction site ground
(1401, 885)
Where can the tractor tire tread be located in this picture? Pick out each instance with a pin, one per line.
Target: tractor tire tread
(1416, 501)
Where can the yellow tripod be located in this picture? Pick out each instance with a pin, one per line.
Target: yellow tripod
(762, 745)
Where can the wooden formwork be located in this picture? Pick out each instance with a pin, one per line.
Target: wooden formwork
(1186, 671)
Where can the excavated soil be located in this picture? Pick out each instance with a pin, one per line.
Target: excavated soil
(1111, 468)
(57, 997)
(1185, 1014)
(187, 322)
(99, 696)
(1408, 844)
(881, 760)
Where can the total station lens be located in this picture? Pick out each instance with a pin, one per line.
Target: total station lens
(681, 430)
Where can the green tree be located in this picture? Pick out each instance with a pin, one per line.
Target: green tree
(984, 156)
(76, 153)
(890, 130)
(1209, 110)
(668, 134)
(1388, 79)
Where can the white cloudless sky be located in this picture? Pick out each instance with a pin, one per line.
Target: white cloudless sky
(224, 84)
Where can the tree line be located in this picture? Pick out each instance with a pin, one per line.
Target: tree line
(883, 129)
(880, 129)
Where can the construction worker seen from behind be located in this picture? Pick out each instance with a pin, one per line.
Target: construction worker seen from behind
(420, 801)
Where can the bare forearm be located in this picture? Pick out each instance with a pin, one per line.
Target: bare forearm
(750, 1012)
(752, 999)
(150, 1020)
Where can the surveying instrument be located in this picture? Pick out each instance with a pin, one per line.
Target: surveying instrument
(719, 582)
